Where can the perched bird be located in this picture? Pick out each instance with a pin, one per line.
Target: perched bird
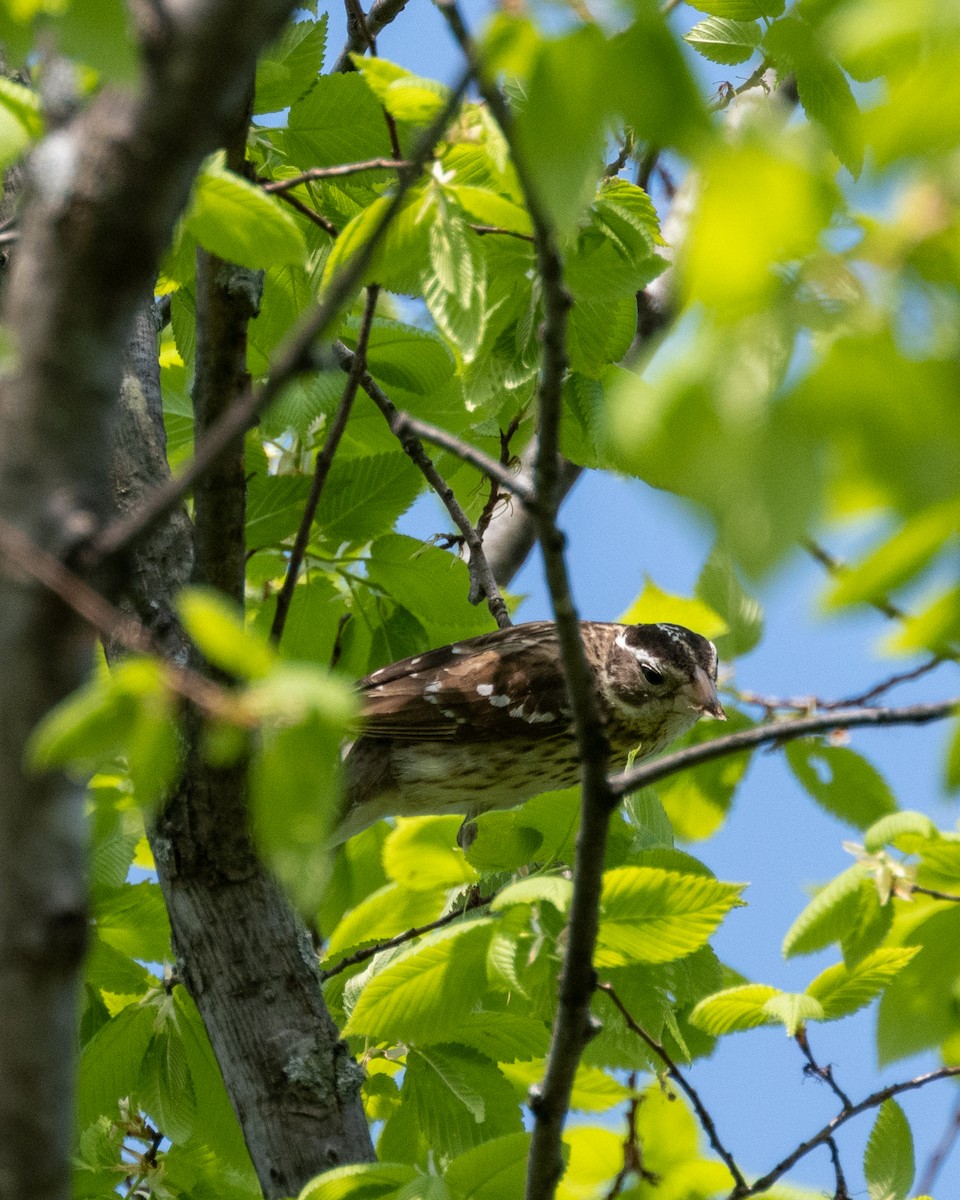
(485, 723)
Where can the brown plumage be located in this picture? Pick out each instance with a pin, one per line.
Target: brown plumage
(485, 723)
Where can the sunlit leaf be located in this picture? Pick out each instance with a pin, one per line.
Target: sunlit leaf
(888, 1162)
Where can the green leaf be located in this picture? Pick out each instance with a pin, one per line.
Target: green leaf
(935, 628)
(735, 1009)
(739, 10)
(402, 248)
(897, 559)
(654, 605)
(755, 466)
(652, 86)
(504, 1037)
(455, 282)
(339, 121)
(952, 770)
(423, 993)
(843, 990)
(432, 584)
(909, 832)
(724, 41)
(421, 853)
(825, 94)
(460, 1098)
(566, 90)
(697, 800)
(304, 714)
(99, 33)
(651, 915)
(793, 1009)
(388, 911)
(133, 919)
(216, 627)
(841, 781)
(888, 1162)
(918, 1010)
(274, 508)
(290, 65)
(359, 1181)
(868, 924)
(719, 587)
(494, 1170)
(166, 1089)
(110, 1063)
(87, 730)
(826, 918)
(405, 96)
(364, 496)
(536, 889)
(241, 223)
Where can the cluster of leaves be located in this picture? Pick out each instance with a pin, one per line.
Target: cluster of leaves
(813, 374)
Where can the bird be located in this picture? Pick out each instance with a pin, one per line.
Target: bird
(486, 723)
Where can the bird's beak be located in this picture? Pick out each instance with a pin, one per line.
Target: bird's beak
(701, 691)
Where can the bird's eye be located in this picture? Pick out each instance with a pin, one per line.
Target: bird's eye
(651, 674)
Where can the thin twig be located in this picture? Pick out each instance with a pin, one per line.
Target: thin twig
(841, 1192)
(338, 172)
(823, 1073)
(403, 424)
(310, 213)
(874, 1100)
(813, 704)
(885, 685)
(835, 566)
(778, 731)
(706, 1121)
(368, 952)
(296, 357)
(322, 467)
(941, 1152)
(483, 584)
(32, 561)
(506, 436)
(514, 233)
(932, 892)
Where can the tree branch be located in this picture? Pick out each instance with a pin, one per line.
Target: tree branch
(774, 732)
(338, 172)
(106, 187)
(404, 428)
(824, 1135)
(550, 1102)
(381, 13)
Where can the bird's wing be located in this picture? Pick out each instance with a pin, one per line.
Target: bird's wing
(495, 686)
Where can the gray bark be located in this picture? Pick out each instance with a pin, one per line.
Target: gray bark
(103, 193)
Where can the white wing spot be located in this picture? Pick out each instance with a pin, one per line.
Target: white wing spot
(459, 650)
(414, 661)
(499, 701)
(448, 712)
(518, 712)
(537, 718)
(484, 689)
(435, 686)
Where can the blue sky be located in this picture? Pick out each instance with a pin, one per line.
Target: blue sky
(776, 838)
